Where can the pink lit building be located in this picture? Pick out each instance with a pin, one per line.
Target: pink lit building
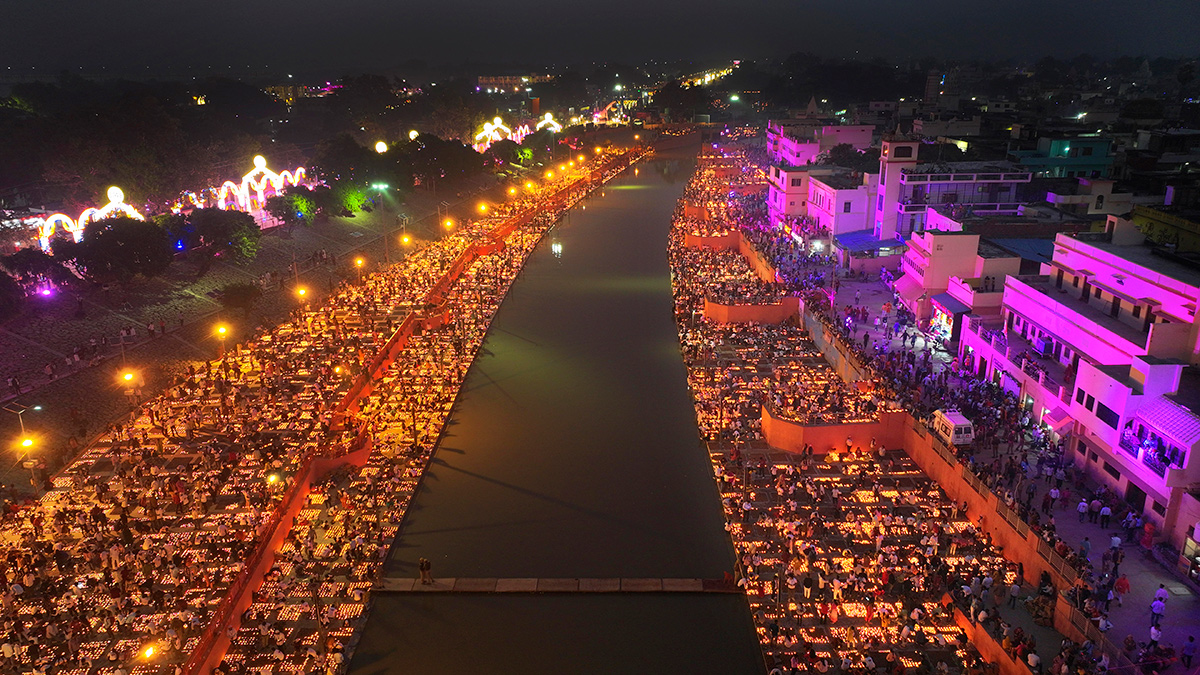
(1098, 349)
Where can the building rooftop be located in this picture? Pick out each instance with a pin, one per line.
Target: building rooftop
(1040, 250)
(989, 250)
(966, 167)
(842, 181)
(1189, 389)
(1175, 267)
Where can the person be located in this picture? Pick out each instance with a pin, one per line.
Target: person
(426, 569)
(1121, 586)
(1082, 509)
(1157, 609)
(1104, 624)
(1013, 592)
(1034, 661)
(1105, 516)
(1188, 652)
(1155, 636)
(1162, 593)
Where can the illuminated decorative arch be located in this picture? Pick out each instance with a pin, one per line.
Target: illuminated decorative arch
(548, 122)
(116, 205)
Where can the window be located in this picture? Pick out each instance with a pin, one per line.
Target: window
(1107, 415)
(880, 206)
(1079, 394)
(1075, 282)
(1091, 402)
(797, 182)
(845, 207)
(1158, 508)
(903, 151)
(1110, 470)
(1099, 201)
(1137, 311)
(1087, 152)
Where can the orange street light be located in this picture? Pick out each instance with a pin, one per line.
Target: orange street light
(549, 174)
(483, 208)
(302, 291)
(406, 240)
(528, 185)
(359, 262)
(562, 167)
(512, 190)
(128, 377)
(448, 224)
(26, 442)
(581, 158)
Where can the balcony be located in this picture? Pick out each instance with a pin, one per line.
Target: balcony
(1022, 359)
(911, 208)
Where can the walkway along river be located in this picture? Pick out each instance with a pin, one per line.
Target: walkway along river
(573, 453)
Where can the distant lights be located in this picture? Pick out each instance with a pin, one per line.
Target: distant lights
(381, 147)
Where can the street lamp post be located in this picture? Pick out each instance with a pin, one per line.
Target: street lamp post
(359, 262)
(222, 330)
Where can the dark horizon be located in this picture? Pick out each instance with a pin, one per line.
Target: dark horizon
(317, 40)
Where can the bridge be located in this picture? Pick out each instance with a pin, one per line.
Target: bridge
(532, 585)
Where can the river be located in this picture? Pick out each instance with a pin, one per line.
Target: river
(573, 452)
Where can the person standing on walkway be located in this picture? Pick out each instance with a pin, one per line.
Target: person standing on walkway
(1188, 652)
(1121, 587)
(1094, 509)
(1082, 509)
(1105, 516)
(426, 569)
(1157, 609)
(1155, 636)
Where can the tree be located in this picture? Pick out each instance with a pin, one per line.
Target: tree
(225, 232)
(295, 206)
(30, 263)
(846, 155)
(120, 249)
(12, 296)
(240, 295)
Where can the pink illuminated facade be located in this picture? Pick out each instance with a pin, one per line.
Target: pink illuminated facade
(1099, 348)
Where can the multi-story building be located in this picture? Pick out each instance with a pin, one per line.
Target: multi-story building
(787, 190)
(1169, 226)
(1084, 156)
(933, 126)
(934, 261)
(841, 202)
(908, 188)
(1091, 196)
(1097, 348)
(799, 142)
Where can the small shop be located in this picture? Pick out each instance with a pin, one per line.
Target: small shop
(948, 312)
(1191, 553)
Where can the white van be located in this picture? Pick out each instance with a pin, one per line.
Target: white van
(953, 428)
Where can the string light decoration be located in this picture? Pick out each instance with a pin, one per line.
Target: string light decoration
(116, 206)
(548, 122)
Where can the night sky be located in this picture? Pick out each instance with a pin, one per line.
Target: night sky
(332, 35)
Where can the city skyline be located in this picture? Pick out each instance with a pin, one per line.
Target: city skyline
(236, 37)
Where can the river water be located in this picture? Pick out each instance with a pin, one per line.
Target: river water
(573, 452)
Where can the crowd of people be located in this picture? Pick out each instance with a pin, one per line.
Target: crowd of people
(122, 564)
(847, 552)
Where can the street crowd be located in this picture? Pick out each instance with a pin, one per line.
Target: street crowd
(122, 565)
(853, 559)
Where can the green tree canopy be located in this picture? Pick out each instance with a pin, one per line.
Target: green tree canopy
(240, 295)
(118, 249)
(231, 233)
